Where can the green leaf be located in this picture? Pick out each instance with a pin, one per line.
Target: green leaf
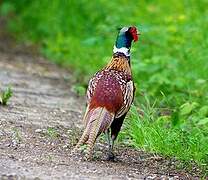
(203, 111)
(175, 118)
(188, 107)
(203, 121)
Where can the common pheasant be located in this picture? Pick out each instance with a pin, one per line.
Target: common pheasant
(109, 95)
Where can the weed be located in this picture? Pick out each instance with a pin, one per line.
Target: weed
(5, 96)
(79, 90)
(49, 157)
(52, 132)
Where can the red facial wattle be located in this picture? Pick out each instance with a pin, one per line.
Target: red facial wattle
(134, 33)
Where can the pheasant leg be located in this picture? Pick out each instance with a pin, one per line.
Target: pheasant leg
(111, 155)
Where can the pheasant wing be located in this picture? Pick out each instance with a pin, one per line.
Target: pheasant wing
(128, 91)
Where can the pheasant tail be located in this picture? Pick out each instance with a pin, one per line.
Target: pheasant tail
(96, 120)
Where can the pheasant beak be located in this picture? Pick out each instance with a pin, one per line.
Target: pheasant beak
(135, 36)
(138, 33)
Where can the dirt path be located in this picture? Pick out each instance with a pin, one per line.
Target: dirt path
(42, 122)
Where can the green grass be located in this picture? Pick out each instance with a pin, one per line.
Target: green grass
(51, 132)
(5, 96)
(170, 135)
(169, 62)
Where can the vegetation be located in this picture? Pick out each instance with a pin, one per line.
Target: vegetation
(169, 62)
(52, 132)
(172, 136)
(5, 96)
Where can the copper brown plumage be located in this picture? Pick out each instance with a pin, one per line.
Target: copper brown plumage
(109, 95)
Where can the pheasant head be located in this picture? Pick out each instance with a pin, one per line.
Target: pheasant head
(121, 51)
(124, 39)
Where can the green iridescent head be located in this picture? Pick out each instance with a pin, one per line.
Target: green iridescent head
(125, 37)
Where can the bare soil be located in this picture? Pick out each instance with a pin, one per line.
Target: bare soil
(42, 123)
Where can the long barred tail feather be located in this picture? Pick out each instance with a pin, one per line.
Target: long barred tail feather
(86, 116)
(97, 120)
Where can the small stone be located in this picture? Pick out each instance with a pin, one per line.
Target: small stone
(22, 145)
(65, 146)
(176, 177)
(38, 130)
(163, 177)
(1, 133)
(151, 177)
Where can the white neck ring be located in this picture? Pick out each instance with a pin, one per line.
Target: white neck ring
(123, 50)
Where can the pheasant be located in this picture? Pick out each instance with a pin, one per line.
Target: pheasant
(109, 95)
